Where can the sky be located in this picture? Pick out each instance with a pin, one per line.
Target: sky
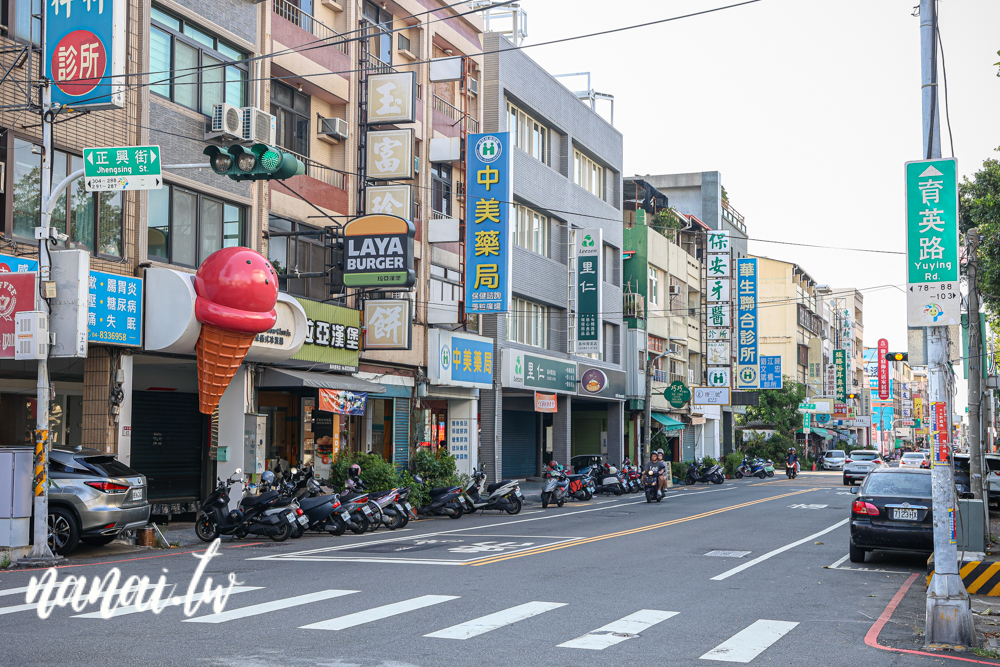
(808, 109)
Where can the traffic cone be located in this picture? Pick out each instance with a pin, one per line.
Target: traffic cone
(814, 466)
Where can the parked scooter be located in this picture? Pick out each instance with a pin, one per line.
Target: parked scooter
(605, 479)
(215, 518)
(445, 501)
(504, 495)
(751, 468)
(556, 488)
(581, 487)
(357, 507)
(324, 510)
(651, 484)
(697, 473)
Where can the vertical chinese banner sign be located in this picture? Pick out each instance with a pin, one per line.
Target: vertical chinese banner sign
(85, 53)
(589, 252)
(718, 324)
(747, 348)
(840, 361)
(488, 238)
(883, 369)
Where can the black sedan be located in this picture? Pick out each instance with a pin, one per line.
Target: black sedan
(892, 512)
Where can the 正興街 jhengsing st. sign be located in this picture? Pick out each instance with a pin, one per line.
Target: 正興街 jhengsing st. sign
(378, 251)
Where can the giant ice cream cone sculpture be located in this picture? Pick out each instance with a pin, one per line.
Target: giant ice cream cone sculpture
(237, 290)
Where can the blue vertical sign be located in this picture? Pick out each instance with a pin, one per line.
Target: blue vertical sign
(85, 53)
(115, 310)
(770, 372)
(747, 347)
(488, 252)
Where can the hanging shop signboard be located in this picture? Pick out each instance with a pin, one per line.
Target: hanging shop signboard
(747, 363)
(84, 51)
(589, 269)
(378, 252)
(392, 98)
(488, 253)
(388, 324)
(459, 359)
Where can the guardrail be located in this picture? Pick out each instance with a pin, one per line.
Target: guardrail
(309, 23)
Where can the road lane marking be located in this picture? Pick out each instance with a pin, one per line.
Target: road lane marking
(34, 605)
(484, 624)
(769, 554)
(633, 531)
(839, 561)
(747, 644)
(264, 607)
(620, 630)
(14, 591)
(379, 613)
(175, 601)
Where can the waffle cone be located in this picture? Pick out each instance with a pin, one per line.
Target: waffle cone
(220, 354)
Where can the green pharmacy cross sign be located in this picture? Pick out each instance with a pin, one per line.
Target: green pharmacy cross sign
(677, 394)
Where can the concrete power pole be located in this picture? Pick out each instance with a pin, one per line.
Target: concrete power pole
(948, 617)
(975, 370)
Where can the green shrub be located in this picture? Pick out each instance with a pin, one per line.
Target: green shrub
(733, 462)
(708, 461)
(437, 470)
(376, 473)
(677, 469)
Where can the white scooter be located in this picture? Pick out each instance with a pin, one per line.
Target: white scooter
(504, 496)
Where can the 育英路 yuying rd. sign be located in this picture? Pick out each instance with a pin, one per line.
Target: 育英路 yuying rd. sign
(933, 297)
(378, 252)
(589, 251)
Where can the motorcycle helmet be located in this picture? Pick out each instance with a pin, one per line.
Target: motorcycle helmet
(354, 470)
(791, 450)
(267, 477)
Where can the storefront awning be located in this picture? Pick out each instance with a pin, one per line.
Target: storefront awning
(822, 431)
(669, 423)
(283, 377)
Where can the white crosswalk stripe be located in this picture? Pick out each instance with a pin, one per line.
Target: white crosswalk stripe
(747, 644)
(620, 630)
(264, 607)
(484, 624)
(14, 591)
(175, 601)
(378, 613)
(32, 606)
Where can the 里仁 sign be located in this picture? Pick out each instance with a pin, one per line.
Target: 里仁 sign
(459, 359)
(114, 315)
(529, 371)
(85, 52)
(747, 363)
(488, 253)
(589, 247)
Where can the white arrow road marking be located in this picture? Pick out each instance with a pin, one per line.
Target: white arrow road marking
(264, 607)
(761, 559)
(620, 630)
(484, 624)
(747, 644)
(175, 601)
(378, 613)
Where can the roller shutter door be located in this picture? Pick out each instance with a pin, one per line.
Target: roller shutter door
(520, 444)
(168, 443)
(688, 440)
(401, 433)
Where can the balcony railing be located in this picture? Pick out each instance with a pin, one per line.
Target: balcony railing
(660, 376)
(438, 215)
(321, 172)
(733, 216)
(634, 305)
(445, 107)
(309, 23)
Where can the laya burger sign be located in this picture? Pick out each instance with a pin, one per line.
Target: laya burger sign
(378, 252)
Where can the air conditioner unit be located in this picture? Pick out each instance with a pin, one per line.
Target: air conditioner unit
(674, 289)
(674, 349)
(474, 86)
(32, 331)
(259, 126)
(332, 130)
(227, 122)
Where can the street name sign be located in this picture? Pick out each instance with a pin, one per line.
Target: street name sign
(933, 297)
(122, 168)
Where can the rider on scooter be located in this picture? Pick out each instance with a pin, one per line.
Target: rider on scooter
(792, 459)
(656, 463)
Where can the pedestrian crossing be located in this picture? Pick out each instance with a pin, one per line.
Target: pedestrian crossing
(743, 647)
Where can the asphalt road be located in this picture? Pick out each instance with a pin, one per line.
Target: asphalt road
(612, 581)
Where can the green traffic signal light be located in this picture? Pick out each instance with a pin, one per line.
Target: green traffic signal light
(277, 164)
(257, 163)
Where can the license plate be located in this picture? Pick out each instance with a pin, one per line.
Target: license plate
(367, 510)
(904, 514)
(291, 517)
(519, 495)
(136, 494)
(304, 520)
(407, 505)
(345, 516)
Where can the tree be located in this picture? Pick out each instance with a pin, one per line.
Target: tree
(979, 206)
(779, 409)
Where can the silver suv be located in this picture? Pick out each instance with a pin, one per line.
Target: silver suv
(93, 497)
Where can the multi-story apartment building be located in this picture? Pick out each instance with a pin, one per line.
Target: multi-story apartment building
(791, 315)
(567, 163)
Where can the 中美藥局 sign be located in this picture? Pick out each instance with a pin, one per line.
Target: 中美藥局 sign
(488, 255)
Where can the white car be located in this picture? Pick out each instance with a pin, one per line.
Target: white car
(833, 459)
(915, 460)
(993, 475)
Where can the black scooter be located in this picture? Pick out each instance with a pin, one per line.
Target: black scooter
(324, 511)
(215, 517)
(651, 484)
(696, 474)
(445, 501)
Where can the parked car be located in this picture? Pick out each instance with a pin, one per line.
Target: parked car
(859, 463)
(892, 512)
(581, 461)
(93, 498)
(914, 460)
(833, 459)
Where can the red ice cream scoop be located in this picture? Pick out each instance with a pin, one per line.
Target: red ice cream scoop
(237, 289)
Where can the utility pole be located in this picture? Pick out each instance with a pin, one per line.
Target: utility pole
(40, 551)
(948, 618)
(975, 370)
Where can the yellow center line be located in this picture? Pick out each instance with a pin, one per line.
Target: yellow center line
(632, 531)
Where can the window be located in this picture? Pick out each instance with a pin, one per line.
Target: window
(446, 286)
(527, 323)
(404, 42)
(654, 297)
(20, 22)
(303, 254)
(380, 44)
(441, 189)
(185, 226)
(609, 264)
(531, 230)
(588, 174)
(187, 65)
(527, 133)
(291, 111)
(83, 216)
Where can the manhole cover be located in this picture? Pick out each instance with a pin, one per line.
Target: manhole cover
(718, 553)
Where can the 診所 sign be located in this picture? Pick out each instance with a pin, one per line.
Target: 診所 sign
(378, 252)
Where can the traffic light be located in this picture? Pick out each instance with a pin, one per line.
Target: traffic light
(897, 356)
(853, 396)
(259, 162)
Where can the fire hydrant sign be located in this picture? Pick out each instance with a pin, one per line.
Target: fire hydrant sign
(122, 168)
(933, 298)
